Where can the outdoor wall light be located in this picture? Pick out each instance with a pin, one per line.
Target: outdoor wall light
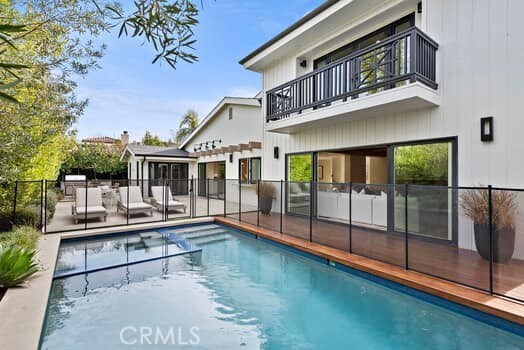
(303, 63)
(486, 129)
(231, 158)
(275, 152)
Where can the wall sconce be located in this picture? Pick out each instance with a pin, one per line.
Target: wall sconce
(231, 158)
(276, 152)
(486, 129)
(303, 63)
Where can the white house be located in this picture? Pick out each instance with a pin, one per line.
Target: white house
(357, 89)
(151, 165)
(227, 145)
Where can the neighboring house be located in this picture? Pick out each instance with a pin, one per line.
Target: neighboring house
(106, 140)
(151, 165)
(395, 92)
(227, 145)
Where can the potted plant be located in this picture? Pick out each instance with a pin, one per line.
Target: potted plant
(475, 204)
(266, 192)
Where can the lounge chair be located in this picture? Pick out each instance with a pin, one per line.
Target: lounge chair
(136, 204)
(90, 208)
(162, 195)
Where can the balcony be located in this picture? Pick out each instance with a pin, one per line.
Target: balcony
(389, 73)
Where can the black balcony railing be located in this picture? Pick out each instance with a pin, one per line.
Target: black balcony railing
(408, 56)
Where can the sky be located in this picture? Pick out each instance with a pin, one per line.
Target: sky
(129, 93)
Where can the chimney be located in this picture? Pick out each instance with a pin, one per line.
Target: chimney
(124, 139)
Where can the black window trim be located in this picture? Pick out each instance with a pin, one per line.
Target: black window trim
(249, 170)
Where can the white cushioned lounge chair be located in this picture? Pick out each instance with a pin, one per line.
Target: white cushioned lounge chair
(136, 204)
(162, 196)
(90, 207)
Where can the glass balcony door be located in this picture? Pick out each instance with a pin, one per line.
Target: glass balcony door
(430, 210)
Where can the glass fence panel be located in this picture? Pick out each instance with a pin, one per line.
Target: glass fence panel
(249, 203)
(7, 195)
(508, 242)
(178, 202)
(26, 207)
(296, 221)
(372, 233)
(271, 204)
(446, 240)
(216, 196)
(232, 196)
(331, 222)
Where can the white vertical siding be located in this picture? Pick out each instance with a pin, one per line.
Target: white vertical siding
(478, 71)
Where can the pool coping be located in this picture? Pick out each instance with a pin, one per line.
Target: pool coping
(23, 309)
(463, 296)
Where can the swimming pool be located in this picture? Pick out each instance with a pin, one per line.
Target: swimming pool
(243, 293)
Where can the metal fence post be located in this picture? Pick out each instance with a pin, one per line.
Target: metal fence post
(311, 210)
(490, 223)
(225, 197)
(191, 201)
(45, 206)
(85, 208)
(350, 189)
(127, 204)
(166, 199)
(406, 255)
(207, 195)
(239, 200)
(281, 202)
(41, 204)
(258, 202)
(14, 202)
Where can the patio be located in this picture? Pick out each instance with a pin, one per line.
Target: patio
(63, 219)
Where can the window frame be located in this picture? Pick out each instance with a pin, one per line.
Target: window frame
(249, 163)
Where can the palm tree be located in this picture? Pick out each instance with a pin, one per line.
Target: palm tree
(188, 124)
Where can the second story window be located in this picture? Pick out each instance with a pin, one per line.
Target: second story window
(230, 113)
(368, 40)
(249, 170)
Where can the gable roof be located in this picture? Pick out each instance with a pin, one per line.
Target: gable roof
(156, 151)
(244, 101)
(313, 13)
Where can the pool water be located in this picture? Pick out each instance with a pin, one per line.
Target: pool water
(243, 293)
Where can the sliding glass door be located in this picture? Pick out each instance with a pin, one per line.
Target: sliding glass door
(299, 174)
(429, 169)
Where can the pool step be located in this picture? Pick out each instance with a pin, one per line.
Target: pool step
(180, 231)
(205, 233)
(210, 239)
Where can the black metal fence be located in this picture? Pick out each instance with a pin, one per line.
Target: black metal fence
(473, 236)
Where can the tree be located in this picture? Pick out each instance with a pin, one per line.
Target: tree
(187, 125)
(97, 158)
(152, 140)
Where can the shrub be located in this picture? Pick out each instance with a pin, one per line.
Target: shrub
(24, 217)
(17, 265)
(266, 190)
(475, 204)
(23, 237)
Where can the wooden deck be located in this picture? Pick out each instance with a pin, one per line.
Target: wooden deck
(433, 267)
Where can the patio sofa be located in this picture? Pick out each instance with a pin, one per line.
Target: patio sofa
(365, 208)
(90, 207)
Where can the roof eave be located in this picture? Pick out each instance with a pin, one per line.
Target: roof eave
(321, 8)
